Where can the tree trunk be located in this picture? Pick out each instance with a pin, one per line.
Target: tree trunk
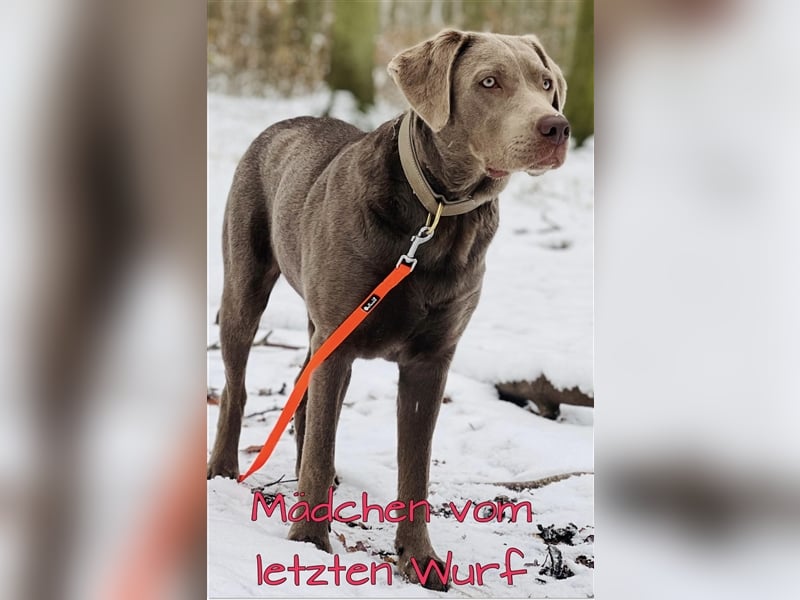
(352, 49)
(580, 98)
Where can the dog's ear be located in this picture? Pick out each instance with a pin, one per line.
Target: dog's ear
(560, 96)
(423, 74)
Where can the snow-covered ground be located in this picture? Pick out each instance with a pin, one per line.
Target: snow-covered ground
(535, 317)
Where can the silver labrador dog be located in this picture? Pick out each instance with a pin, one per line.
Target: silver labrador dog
(329, 207)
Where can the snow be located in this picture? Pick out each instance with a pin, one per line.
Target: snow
(535, 317)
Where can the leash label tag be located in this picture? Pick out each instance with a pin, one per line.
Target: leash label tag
(370, 304)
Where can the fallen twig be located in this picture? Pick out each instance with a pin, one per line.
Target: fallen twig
(260, 488)
(263, 412)
(519, 486)
(265, 342)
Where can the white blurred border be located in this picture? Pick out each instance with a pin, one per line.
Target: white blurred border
(696, 301)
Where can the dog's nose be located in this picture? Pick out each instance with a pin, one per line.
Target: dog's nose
(555, 128)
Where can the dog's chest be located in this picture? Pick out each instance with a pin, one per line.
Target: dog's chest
(425, 314)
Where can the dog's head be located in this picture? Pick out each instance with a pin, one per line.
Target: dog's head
(502, 94)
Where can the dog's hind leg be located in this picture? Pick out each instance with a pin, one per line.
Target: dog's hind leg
(250, 274)
(300, 415)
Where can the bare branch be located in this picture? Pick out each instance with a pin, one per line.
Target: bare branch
(519, 486)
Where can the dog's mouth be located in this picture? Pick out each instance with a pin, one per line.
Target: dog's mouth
(551, 160)
(496, 173)
(541, 163)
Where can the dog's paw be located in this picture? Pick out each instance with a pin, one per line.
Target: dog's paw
(221, 468)
(432, 581)
(311, 532)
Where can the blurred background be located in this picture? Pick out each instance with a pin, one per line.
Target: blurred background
(696, 298)
(293, 47)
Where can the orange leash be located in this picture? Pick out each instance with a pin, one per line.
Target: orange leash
(403, 268)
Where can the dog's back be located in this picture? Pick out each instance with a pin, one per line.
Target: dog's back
(273, 180)
(290, 155)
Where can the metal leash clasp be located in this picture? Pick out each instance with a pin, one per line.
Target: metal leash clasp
(423, 235)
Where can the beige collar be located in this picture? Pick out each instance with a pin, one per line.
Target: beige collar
(422, 189)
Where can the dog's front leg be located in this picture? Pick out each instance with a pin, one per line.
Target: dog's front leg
(323, 405)
(419, 398)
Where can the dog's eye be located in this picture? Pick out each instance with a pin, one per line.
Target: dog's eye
(548, 83)
(489, 82)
